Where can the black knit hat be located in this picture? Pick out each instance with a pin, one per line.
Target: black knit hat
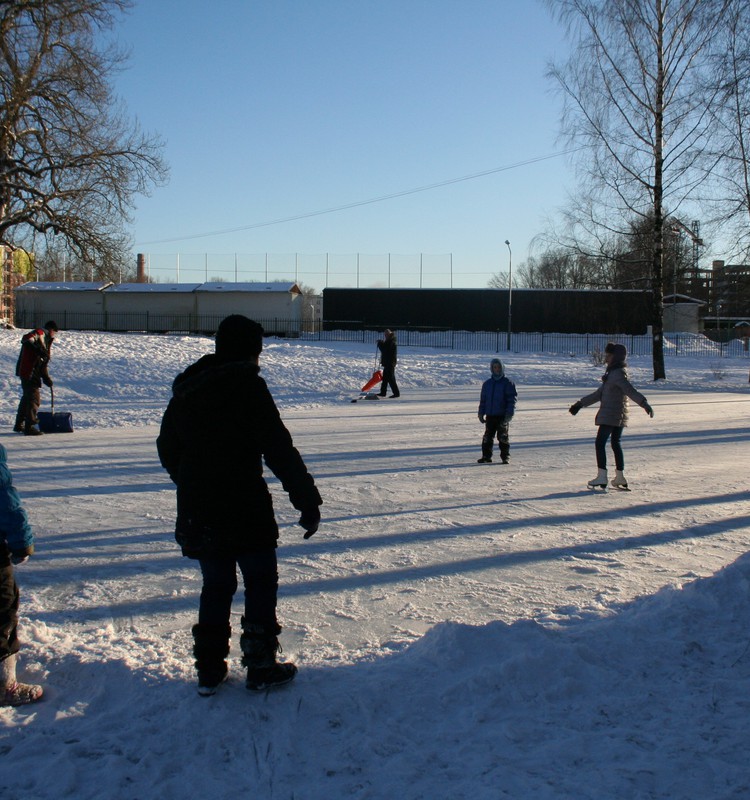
(238, 338)
(619, 351)
(51, 326)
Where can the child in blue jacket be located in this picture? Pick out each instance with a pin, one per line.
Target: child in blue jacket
(16, 545)
(497, 404)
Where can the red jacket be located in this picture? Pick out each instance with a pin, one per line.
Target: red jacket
(34, 357)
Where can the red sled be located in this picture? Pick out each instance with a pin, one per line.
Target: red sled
(377, 376)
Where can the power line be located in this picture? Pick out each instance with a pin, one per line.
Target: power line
(358, 203)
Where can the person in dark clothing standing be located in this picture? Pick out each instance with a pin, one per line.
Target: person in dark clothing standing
(32, 369)
(388, 357)
(16, 545)
(225, 516)
(497, 404)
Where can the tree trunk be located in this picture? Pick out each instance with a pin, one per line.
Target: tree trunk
(657, 271)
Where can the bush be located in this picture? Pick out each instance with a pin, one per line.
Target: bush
(597, 356)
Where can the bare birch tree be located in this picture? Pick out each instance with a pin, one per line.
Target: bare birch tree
(730, 187)
(635, 104)
(71, 163)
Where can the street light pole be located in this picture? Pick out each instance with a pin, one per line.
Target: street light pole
(510, 293)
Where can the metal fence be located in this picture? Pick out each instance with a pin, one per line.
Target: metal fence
(679, 344)
(675, 344)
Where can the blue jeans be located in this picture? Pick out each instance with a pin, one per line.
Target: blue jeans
(261, 579)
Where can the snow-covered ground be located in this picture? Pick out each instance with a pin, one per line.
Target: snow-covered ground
(462, 631)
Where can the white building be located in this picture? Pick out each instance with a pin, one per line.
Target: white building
(40, 301)
(197, 307)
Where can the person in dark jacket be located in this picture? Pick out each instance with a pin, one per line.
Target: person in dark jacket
(16, 545)
(497, 404)
(388, 357)
(612, 416)
(32, 368)
(219, 427)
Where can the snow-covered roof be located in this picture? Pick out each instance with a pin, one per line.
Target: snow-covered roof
(160, 288)
(682, 298)
(153, 288)
(225, 286)
(63, 286)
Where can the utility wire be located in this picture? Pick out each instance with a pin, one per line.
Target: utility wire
(358, 203)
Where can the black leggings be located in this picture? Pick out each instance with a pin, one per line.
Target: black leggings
(604, 433)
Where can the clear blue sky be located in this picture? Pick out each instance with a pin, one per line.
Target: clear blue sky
(273, 109)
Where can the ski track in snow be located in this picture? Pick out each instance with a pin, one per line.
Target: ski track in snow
(462, 631)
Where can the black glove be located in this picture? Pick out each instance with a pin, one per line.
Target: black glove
(650, 411)
(575, 408)
(481, 418)
(310, 520)
(19, 558)
(48, 382)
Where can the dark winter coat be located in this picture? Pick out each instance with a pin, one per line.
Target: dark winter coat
(16, 537)
(33, 360)
(388, 351)
(219, 427)
(498, 397)
(613, 395)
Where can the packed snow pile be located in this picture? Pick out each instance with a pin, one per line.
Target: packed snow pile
(462, 630)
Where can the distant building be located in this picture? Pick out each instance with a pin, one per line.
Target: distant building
(682, 314)
(530, 310)
(189, 307)
(38, 301)
(17, 268)
(730, 291)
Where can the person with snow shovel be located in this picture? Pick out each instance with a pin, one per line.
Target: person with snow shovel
(33, 370)
(388, 358)
(219, 427)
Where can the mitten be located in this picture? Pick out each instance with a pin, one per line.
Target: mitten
(310, 520)
(481, 418)
(647, 408)
(575, 408)
(48, 382)
(18, 558)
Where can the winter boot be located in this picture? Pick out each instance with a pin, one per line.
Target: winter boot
(619, 481)
(484, 460)
(13, 693)
(600, 481)
(32, 430)
(210, 648)
(259, 647)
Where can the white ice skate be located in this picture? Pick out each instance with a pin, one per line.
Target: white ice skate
(619, 481)
(600, 481)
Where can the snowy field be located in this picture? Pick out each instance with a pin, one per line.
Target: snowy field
(462, 631)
